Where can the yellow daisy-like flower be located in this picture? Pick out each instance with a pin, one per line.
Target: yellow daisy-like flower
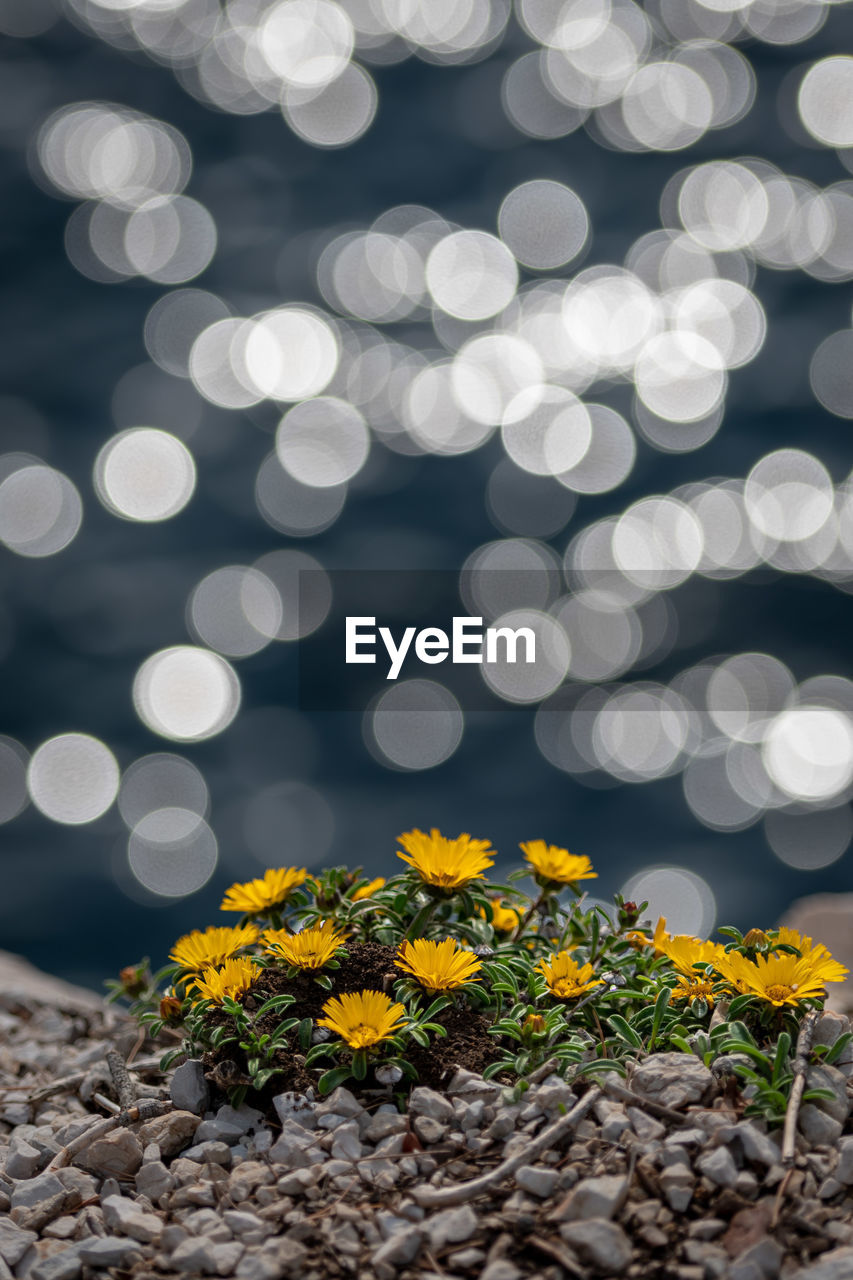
(271, 890)
(657, 942)
(566, 978)
(308, 949)
(832, 970)
(684, 951)
(438, 966)
(234, 979)
(362, 1018)
(200, 950)
(444, 863)
(504, 919)
(780, 979)
(553, 865)
(700, 989)
(368, 890)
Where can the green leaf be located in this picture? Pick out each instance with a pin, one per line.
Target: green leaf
(661, 1005)
(838, 1048)
(330, 1080)
(274, 1004)
(780, 1062)
(303, 1035)
(624, 1030)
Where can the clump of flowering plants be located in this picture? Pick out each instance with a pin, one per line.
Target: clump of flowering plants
(339, 976)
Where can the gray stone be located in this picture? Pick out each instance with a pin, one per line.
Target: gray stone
(276, 1258)
(399, 1248)
(250, 1229)
(109, 1251)
(673, 1079)
(829, 1188)
(601, 1244)
(426, 1102)
(593, 1198)
(829, 1027)
(469, 1085)
(835, 1265)
(200, 1253)
(36, 1200)
(764, 1257)
(209, 1153)
(65, 1265)
(451, 1226)
(718, 1167)
(244, 1117)
(844, 1168)
(14, 1242)
(117, 1154)
(428, 1130)
(126, 1217)
(819, 1129)
(218, 1131)
(347, 1144)
(383, 1124)
(172, 1132)
(295, 1147)
(501, 1269)
(79, 1186)
(758, 1147)
(23, 1159)
(340, 1102)
(677, 1185)
(537, 1181)
(189, 1090)
(831, 1079)
(154, 1180)
(554, 1095)
(295, 1106)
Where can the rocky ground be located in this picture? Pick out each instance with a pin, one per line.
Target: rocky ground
(657, 1177)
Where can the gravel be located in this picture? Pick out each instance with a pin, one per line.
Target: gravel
(326, 1188)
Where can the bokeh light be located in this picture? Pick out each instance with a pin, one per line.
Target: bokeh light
(186, 693)
(73, 778)
(144, 474)
(415, 724)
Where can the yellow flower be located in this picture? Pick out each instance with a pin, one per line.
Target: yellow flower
(368, 890)
(308, 949)
(196, 951)
(684, 951)
(553, 865)
(698, 989)
(566, 978)
(362, 1018)
(256, 896)
(504, 919)
(444, 863)
(661, 936)
(234, 979)
(832, 970)
(438, 966)
(779, 978)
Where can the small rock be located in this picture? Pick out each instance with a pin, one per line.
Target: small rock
(66, 1265)
(718, 1167)
(501, 1269)
(818, 1128)
(189, 1090)
(244, 1117)
(347, 1144)
(677, 1185)
(23, 1160)
(123, 1215)
(109, 1251)
(14, 1242)
(295, 1106)
(117, 1154)
(536, 1180)
(645, 1126)
(276, 1258)
(673, 1079)
(218, 1131)
(383, 1124)
(554, 1095)
(36, 1200)
(340, 1102)
(154, 1180)
(426, 1102)
(764, 1258)
(844, 1169)
(706, 1228)
(209, 1153)
(428, 1130)
(451, 1226)
(592, 1198)
(836, 1265)
(172, 1132)
(829, 1188)
(600, 1243)
(401, 1247)
(831, 1079)
(758, 1147)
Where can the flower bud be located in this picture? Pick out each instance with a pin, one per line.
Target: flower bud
(533, 1024)
(170, 1011)
(755, 938)
(132, 980)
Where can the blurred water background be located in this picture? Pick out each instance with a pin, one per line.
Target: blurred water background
(559, 294)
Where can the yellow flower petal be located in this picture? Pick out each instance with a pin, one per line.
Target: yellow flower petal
(438, 966)
(443, 863)
(558, 866)
(271, 890)
(362, 1018)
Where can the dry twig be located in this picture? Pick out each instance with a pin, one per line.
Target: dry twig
(462, 1192)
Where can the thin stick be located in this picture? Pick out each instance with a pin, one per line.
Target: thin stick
(801, 1066)
(559, 1253)
(462, 1192)
(644, 1104)
(145, 1110)
(124, 1086)
(108, 1105)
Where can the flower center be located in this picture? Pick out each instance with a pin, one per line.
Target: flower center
(780, 992)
